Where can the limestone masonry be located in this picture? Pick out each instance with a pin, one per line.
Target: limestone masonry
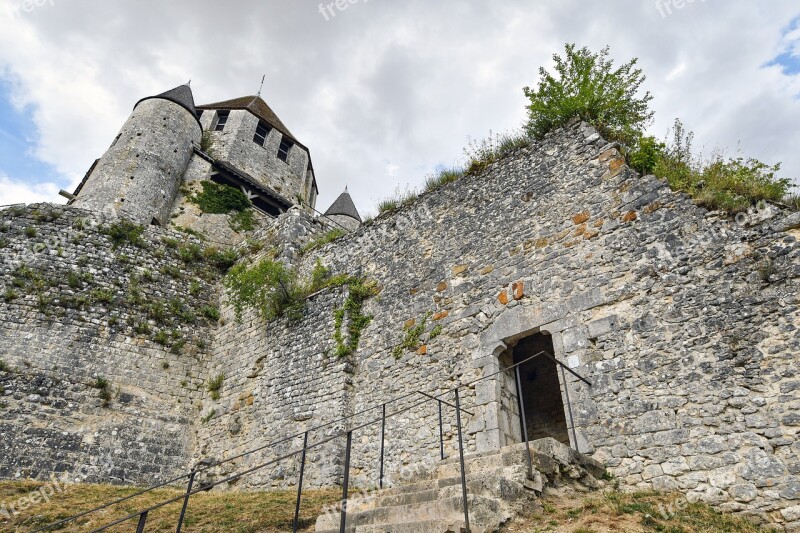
(116, 322)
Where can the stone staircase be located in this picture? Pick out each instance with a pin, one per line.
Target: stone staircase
(497, 489)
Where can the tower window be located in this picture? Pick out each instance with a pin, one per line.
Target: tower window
(283, 150)
(262, 130)
(222, 119)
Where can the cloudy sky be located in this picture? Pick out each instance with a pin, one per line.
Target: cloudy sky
(383, 92)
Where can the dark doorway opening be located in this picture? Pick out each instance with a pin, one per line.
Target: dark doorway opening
(541, 390)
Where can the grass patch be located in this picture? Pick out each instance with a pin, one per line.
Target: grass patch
(124, 233)
(215, 386)
(732, 185)
(105, 392)
(242, 221)
(319, 242)
(442, 178)
(397, 200)
(242, 512)
(636, 511)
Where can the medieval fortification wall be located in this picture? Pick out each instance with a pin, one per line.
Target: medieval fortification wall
(685, 323)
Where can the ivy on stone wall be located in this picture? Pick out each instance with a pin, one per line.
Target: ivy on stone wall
(274, 290)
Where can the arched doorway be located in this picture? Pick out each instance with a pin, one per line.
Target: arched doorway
(540, 393)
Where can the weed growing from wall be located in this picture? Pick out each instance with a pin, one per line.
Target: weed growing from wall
(322, 241)
(105, 391)
(413, 337)
(124, 233)
(215, 385)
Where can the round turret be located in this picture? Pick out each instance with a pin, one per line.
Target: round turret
(140, 173)
(343, 213)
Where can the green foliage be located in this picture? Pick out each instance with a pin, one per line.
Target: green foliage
(31, 232)
(161, 337)
(206, 419)
(647, 155)
(268, 287)
(211, 313)
(442, 178)
(3, 243)
(587, 85)
(244, 220)
(10, 295)
(206, 142)
(220, 199)
(359, 291)
(215, 385)
(323, 240)
(124, 233)
(730, 185)
(4, 366)
(104, 386)
(413, 337)
(480, 154)
(190, 253)
(435, 332)
(397, 200)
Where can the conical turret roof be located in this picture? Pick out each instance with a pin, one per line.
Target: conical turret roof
(181, 95)
(257, 106)
(344, 206)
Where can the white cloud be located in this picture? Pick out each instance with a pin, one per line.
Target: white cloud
(18, 192)
(384, 81)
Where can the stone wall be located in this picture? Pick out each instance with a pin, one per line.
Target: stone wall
(685, 322)
(76, 309)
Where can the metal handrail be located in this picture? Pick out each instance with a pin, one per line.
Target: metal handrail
(191, 475)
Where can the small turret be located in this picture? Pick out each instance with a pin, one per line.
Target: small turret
(343, 212)
(139, 175)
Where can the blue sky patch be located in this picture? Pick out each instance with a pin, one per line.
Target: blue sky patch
(18, 134)
(789, 59)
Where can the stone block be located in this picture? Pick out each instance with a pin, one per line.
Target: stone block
(602, 326)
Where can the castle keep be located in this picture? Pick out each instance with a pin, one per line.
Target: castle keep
(682, 323)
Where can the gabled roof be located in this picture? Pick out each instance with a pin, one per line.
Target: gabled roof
(181, 95)
(344, 206)
(257, 106)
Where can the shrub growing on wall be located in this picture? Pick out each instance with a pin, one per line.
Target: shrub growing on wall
(216, 198)
(587, 85)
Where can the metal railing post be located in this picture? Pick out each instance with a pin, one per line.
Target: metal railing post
(346, 481)
(186, 500)
(461, 457)
(383, 440)
(524, 422)
(296, 523)
(441, 432)
(142, 522)
(569, 407)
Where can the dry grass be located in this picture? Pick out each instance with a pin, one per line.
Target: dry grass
(639, 512)
(241, 512)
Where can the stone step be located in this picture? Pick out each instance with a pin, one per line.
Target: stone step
(425, 526)
(447, 510)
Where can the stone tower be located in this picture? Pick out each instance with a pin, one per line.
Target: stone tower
(343, 213)
(140, 173)
(246, 134)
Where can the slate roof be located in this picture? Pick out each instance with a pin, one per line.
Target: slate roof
(344, 206)
(257, 106)
(181, 95)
